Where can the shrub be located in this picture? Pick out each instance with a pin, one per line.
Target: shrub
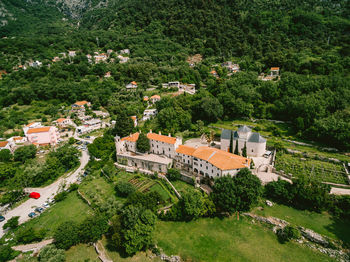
(66, 235)
(124, 189)
(7, 253)
(28, 235)
(11, 223)
(173, 174)
(73, 187)
(61, 196)
(51, 254)
(287, 233)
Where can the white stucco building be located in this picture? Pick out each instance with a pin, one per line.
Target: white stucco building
(256, 144)
(210, 162)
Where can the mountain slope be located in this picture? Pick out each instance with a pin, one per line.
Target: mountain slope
(29, 17)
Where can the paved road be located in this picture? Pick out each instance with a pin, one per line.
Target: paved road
(46, 192)
(340, 191)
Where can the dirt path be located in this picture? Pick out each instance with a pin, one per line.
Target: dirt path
(33, 246)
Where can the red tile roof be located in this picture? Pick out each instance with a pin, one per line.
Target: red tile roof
(3, 143)
(132, 138)
(161, 138)
(219, 158)
(81, 103)
(39, 130)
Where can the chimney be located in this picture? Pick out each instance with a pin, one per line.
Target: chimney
(160, 133)
(169, 135)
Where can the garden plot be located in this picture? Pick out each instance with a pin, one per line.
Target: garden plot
(320, 170)
(141, 184)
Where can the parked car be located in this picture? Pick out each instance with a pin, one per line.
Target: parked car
(46, 205)
(2, 218)
(39, 209)
(32, 214)
(79, 143)
(87, 136)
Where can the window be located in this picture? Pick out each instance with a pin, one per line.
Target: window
(207, 168)
(188, 161)
(201, 165)
(169, 149)
(252, 150)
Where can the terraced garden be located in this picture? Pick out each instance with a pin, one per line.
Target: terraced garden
(320, 170)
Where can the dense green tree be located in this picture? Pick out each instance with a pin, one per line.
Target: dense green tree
(124, 125)
(236, 148)
(173, 174)
(11, 223)
(231, 143)
(138, 226)
(143, 144)
(236, 193)
(7, 253)
(66, 235)
(92, 229)
(25, 152)
(5, 155)
(244, 150)
(124, 189)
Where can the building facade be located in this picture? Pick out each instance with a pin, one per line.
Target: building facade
(47, 135)
(255, 143)
(210, 162)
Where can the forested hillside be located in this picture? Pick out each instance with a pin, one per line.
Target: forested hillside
(308, 40)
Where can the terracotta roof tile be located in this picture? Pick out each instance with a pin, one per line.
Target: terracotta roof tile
(161, 138)
(218, 158)
(186, 150)
(60, 120)
(132, 138)
(39, 130)
(3, 143)
(81, 103)
(275, 68)
(155, 97)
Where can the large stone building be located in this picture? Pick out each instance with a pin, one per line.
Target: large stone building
(209, 162)
(256, 144)
(159, 159)
(205, 161)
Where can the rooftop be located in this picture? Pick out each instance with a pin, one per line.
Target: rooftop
(219, 158)
(39, 130)
(148, 157)
(60, 120)
(132, 138)
(161, 138)
(155, 97)
(81, 103)
(3, 143)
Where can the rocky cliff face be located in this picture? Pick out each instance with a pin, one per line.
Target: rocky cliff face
(75, 8)
(5, 15)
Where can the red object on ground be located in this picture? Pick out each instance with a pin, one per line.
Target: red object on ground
(35, 195)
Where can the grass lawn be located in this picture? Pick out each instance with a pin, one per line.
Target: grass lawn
(320, 223)
(70, 209)
(81, 253)
(182, 186)
(228, 240)
(98, 189)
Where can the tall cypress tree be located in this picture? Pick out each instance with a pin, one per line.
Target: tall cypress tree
(231, 143)
(244, 150)
(236, 149)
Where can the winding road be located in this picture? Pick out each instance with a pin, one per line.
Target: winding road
(46, 192)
